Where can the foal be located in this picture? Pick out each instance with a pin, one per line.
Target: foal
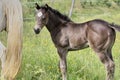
(69, 36)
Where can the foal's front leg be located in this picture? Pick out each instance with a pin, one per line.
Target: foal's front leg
(63, 65)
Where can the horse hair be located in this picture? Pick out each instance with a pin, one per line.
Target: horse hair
(56, 12)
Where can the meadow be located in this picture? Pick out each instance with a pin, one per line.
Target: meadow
(40, 58)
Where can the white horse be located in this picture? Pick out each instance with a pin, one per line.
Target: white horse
(12, 22)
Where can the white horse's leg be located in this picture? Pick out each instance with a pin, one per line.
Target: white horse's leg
(2, 54)
(2, 57)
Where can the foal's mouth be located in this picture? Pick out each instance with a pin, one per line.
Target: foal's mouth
(37, 31)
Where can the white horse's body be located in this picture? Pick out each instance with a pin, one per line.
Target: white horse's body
(2, 17)
(11, 20)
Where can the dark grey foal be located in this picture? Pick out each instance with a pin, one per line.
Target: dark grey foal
(69, 36)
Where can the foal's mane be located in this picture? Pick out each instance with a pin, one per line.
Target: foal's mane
(60, 15)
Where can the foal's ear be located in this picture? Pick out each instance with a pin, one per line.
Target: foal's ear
(46, 6)
(37, 6)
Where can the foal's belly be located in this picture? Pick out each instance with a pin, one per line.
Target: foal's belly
(73, 47)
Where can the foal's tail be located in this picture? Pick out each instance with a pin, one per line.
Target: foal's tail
(115, 26)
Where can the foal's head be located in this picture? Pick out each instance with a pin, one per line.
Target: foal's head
(41, 17)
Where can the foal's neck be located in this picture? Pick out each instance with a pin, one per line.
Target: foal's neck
(53, 22)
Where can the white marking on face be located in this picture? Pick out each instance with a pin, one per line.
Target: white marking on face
(39, 14)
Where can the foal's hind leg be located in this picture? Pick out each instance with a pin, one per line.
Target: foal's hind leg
(63, 65)
(110, 66)
(106, 59)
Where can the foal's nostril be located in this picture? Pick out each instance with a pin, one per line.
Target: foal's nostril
(37, 31)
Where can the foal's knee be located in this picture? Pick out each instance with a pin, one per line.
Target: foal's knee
(103, 58)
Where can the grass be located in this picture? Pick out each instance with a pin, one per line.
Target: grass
(40, 58)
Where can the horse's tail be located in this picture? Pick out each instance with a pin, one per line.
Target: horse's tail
(13, 11)
(115, 26)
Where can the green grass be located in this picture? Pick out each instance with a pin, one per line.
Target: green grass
(40, 58)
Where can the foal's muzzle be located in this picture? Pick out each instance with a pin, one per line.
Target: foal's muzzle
(37, 31)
